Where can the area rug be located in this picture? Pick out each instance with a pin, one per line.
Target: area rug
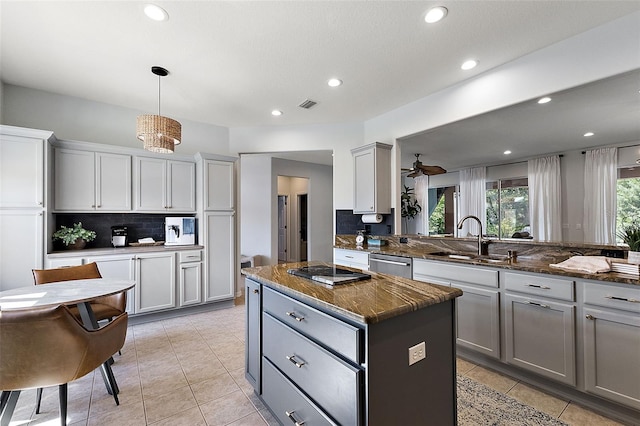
(481, 405)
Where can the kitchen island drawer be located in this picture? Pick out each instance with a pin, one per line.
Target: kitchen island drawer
(329, 381)
(331, 332)
(612, 296)
(539, 285)
(287, 402)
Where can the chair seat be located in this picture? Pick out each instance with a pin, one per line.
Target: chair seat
(100, 310)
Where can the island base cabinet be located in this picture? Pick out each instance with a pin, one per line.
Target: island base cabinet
(612, 355)
(253, 304)
(478, 321)
(540, 337)
(155, 282)
(287, 403)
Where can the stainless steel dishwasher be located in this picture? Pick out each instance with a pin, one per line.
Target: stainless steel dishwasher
(392, 265)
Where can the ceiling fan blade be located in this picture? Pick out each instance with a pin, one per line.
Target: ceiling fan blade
(414, 173)
(432, 170)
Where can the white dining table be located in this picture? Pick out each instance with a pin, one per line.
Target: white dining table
(75, 292)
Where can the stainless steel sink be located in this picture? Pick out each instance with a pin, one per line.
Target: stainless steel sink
(471, 257)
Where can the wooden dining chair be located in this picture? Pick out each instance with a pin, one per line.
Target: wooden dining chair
(48, 346)
(104, 308)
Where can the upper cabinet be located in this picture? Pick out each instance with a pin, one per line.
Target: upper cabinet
(22, 168)
(372, 178)
(91, 181)
(165, 185)
(218, 185)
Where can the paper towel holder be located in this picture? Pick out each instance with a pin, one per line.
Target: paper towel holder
(372, 218)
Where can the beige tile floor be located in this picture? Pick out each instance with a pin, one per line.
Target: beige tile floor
(190, 371)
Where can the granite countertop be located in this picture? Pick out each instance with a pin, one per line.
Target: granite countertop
(366, 302)
(526, 264)
(120, 250)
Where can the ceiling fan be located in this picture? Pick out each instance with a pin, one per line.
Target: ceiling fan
(418, 169)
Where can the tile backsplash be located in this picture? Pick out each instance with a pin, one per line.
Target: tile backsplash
(140, 225)
(349, 223)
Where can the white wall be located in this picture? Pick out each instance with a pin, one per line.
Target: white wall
(82, 120)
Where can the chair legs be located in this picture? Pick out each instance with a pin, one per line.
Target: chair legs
(38, 400)
(62, 391)
(8, 402)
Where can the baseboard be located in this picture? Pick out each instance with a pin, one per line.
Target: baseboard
(174, 313)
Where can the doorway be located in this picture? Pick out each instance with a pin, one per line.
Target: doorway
(293, 201)
(282, 228)
(302, 225)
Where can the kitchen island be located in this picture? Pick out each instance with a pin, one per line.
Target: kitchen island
(376, 352)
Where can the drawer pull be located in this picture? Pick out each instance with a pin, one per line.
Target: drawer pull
(293, 419)
(295, 317)
(624, 299)
(543, 287)
(348, 257)
(590, 317)
(193, 257)
(292, 358)
(537, 304)
(390, 262)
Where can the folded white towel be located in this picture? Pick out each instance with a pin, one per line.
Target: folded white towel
(588, 264)
(146, 240)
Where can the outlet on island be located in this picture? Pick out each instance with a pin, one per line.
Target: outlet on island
(417, 353)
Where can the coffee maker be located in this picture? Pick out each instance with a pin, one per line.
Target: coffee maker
(119, 236)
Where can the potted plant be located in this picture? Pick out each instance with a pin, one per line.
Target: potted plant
(409, 207)
(74, 238)
(630, 235)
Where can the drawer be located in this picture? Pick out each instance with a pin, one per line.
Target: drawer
(190, 256)
(351, 257)
(325, 329)
(329, 381)
(455, 273)
(539, 286)
(286, 401)
(612, 296)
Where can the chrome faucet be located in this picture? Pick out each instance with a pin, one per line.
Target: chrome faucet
(483, 248)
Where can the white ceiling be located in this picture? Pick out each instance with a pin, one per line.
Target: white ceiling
(232, 62)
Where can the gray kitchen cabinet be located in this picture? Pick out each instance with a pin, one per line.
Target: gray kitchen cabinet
(166, 186)
(253, 350)
(120, 267)
(21, 246)
(477, 310)
(155, 282)
(611, 327)
(220, 249)
(372, 179)
(22, 180)
(219, 190)
(190, 277)
(91, 181)
(540, 331)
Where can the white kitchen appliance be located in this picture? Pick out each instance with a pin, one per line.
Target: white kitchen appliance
(180, 231)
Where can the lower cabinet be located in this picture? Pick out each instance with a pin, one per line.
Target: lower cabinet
(117, 267)
(351, 258)
(253, 304)
(155, 282)
(190, 277)
(21, 247)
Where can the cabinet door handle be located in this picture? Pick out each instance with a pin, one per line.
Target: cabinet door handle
(537, 304)
(256, 291)
(590, 317)
(543, 287)
(624, 299)
(292, 358)
(295, 317)
(293, 419)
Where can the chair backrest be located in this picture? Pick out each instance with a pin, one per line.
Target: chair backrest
(48, 346)
(82, 272)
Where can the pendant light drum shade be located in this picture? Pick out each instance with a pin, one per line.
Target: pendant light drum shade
(158, 133)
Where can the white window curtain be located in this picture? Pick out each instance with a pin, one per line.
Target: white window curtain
(422, 195)
(600, 182)
(545, 209)
(473, 200)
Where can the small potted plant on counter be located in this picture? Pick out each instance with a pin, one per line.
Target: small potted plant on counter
(630, 235)
(74, 238)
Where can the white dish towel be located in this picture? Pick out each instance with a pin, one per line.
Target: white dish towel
(588, 264)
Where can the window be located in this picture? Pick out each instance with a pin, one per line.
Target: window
(508, 208)
(628, 197)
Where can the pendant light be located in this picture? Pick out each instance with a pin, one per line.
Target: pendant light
(158, 133)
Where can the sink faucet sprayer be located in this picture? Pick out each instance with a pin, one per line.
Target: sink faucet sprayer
(483, 246)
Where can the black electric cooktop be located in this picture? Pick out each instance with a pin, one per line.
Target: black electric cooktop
(328, 274)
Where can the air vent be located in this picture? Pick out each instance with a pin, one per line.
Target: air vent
(307, 103)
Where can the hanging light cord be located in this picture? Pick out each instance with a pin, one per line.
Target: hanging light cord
(159, 77)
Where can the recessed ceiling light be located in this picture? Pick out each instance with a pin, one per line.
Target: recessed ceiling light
(588, 134)
(334, 82)
(435, 14)
(507, 152)
(155, 12)
(276, 112)
(467, 65)
(544, 100)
